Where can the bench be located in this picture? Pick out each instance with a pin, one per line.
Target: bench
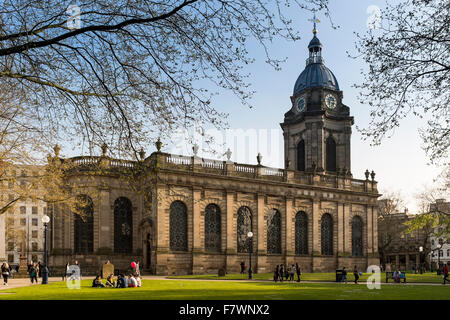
(390, 275)
(339, 275)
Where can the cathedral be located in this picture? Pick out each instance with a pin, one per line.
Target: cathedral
(201, 215)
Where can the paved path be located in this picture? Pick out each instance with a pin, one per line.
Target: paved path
(15, 283)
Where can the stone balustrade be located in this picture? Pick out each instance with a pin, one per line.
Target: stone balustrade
(210, 166)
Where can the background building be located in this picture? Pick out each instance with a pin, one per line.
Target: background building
(22, 224)
(398, 249)
(440, 245)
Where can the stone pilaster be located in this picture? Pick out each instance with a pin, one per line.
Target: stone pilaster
(315, 249)
(231, 233)
(105, 221)
(340, 229)
(289, 239)
(347, 231)
(261, 229)
(197, 263)
(368, 234)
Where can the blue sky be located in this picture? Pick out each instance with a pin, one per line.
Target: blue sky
(400, 163)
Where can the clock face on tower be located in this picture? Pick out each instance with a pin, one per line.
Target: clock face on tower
(301, 103)
(330, 101)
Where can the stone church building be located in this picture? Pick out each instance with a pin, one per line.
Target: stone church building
(196, 213)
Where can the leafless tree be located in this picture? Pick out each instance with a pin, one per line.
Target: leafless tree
(409, 72)
(125, 72)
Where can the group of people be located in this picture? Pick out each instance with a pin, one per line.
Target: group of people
(356, 275)
(132, 281)
(287, 272)
(70, 272)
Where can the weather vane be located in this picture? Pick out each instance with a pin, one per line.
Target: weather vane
(314, 20)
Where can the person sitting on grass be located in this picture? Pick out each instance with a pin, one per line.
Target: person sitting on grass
(121, 281)
(110, 281)
(132, 283)
(97, 283)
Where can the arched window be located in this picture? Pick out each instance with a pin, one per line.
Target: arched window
(301, 233)
(213, 234)
(301, 156)
(327, 235)
(331, 154)
(178, 226)
(123, 225)
(357, 236)
(84, 225)
(244, 225)
(273, 231)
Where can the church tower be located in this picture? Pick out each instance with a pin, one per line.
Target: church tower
(317, 128)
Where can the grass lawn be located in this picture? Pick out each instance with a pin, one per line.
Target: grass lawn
(227, 290)
(429, 277)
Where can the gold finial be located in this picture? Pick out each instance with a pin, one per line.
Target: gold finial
(314, 20)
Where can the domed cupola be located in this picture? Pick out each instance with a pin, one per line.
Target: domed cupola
(315, 74)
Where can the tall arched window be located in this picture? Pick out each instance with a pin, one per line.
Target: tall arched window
(357, 236)
(301, 156)
(213, 234)
(327, 235)
(178, 226)
(330, 154)
(273, 231)
(244, 225)
(84, 225)
(123, 225)
(301, 233)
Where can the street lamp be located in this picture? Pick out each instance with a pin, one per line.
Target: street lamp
(250, 249)
(45, 221)
(420, 259)
(439, 259)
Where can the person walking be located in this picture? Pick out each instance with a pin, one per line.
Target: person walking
(138, 271)
(445, 271)
(276, 273)
(292, 273)
(6, 271)
(344, 275)
(356, 274)
(79, 267)
(66, 272)
(32, 273)
(39, 266)
(242, 267)
(281, 272)
(297, 269)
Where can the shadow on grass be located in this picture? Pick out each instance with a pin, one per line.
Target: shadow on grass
(210, 290)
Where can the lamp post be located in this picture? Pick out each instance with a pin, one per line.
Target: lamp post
(420, 259)
(45, 221)
(439, 259)
(250, 249)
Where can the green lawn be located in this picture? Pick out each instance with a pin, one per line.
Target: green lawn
(429, 277)
(227, 290)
